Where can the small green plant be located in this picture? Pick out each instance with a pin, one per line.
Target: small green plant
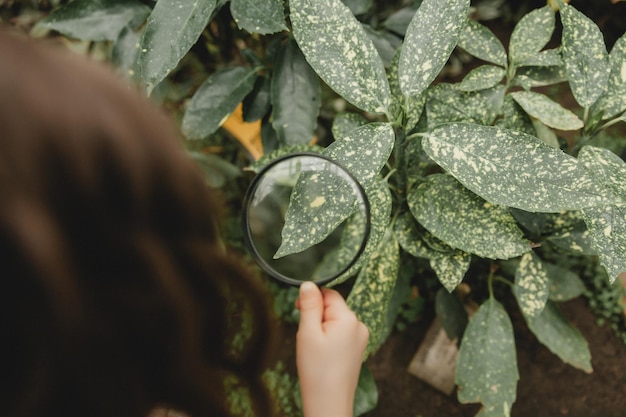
(471, 173)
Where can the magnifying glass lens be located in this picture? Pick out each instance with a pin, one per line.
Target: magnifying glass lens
(306, 219)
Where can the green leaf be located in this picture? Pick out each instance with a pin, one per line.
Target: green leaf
(358, 7)
(261, 17)
(453, 315)
(319, 203)
(259, 164)
(486, 370)
(479, 41)
(445, 104)
(565, 285)
(531, 34)
(531, 287)
(410, 237)
(450, 265)
(256, 104)
(322, 201)
(385, 43)
(366, 395)
(564, 340)
(215, 100)
(465, 221)
(380, 200)
(96, 20)
(528, 77)
(549, 112)
(547, 58)
(451, 269)
(339, 50)
(125, 51)
(370, 296)
(363, 151)
(480, 78)
(398, 22)
(513, 169)
(172, 29)
(514, 117)
(606, 168)
(545, 133)
(344, 123)
(613, 101)
(607, 226)
(585, 56)
(430, 39)
(295, 94)
(407, 109)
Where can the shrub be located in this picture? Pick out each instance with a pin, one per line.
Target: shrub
(465, 174)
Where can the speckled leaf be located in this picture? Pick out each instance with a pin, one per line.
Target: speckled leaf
(363, 151)
(479, 41)
(606, 168)
(295, 96)
(480, 78)
(531, 34)
(319, 203)
(449, 264)
(564, 284)
(215, 100)
(545, 133)
(172, 29)
(429, 41)
(528, 77)
(531, 287)
(465, 221)
(613, 101)
(407, 109)
(554, 331)
(96, 20)
(451, 269)
(380, 200)
(486, 370)
(585, 56)
(372, 291)
(514, 117)
(607, 226)
(267, 16)
(549, 112)
(410, 238)
(512, 168)
(125, 51)
(350, 242)
(337, 47)
(345, 123)
(547, 58)
(445, 104)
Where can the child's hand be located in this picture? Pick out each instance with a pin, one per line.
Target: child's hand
(330, 345)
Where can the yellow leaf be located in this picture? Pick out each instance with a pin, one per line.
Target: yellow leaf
(246, 133)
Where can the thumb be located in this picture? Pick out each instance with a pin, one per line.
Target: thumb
(311, 305)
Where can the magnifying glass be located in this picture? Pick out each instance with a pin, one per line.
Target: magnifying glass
(305, 218)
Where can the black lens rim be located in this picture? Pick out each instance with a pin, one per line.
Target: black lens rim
(247, 235)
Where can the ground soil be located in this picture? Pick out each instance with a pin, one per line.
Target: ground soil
(547, 386)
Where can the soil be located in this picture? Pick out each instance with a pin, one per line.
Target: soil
(547, 386)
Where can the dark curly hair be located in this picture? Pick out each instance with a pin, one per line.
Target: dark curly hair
(115, 290)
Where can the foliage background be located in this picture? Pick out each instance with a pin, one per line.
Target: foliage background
(224, 53)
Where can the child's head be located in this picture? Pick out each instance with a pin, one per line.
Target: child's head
(114, 290)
